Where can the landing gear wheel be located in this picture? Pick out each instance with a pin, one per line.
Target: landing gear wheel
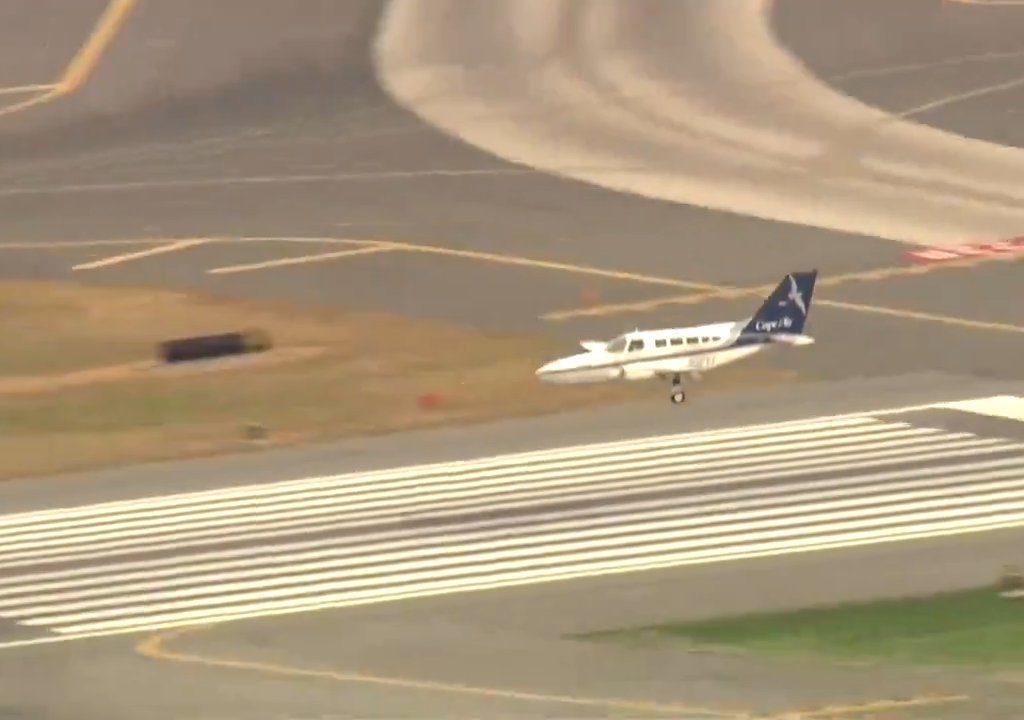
(678, 395)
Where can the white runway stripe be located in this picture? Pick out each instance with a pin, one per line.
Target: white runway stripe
(647, 480)
(561, 571)
(531, 517)
(526, 544)
(486, 477)
(414, 488)
(269, 559)
(424, 472)
(414, 493)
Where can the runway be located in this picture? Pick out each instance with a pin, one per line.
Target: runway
(198, 126)
(658, 502)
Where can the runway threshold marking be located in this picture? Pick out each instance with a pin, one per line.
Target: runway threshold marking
(1007, 407)
(122, 258)
(303, 259)
(329, 542)
(85, 59)
(155, 647)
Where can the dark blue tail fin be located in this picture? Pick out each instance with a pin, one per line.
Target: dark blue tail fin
(786, 309)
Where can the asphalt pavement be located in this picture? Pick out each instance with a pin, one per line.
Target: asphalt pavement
(199, 121)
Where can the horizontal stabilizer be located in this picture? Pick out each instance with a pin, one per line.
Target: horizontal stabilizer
(791, 339)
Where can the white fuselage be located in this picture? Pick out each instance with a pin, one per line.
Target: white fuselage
(652, 353)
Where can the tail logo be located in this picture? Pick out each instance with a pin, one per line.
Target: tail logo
(772, 325)
(795, 296)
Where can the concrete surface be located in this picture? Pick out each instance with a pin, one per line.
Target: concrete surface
(669, 101)
(197, 123)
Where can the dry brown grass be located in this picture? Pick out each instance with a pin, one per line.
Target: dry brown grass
(79, 387)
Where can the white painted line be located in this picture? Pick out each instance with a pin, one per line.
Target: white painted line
(128, 257)
(420, 498)
(301, 260)
(419, 471)
(291, 554)
(735, 493)
(340, 177)
(848, 540)
(960, 97)
(1004, 406)
(882, 71)
(527, 475)
(448, 467)
(499, 555)
(527, 541)
(661, 481)
(518, 572)
(376, 477)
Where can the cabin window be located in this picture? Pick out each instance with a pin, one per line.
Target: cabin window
(705, 339)
(636, 345)
(691, 341)
(660, 343)
(677, 341)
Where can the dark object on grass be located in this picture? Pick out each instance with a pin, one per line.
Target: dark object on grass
(255, 431)
(1011, 582)
(207, 347)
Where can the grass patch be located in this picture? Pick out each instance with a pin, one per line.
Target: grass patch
(77, 390)
(975, 627)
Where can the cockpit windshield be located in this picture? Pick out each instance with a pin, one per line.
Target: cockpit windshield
(617, 345)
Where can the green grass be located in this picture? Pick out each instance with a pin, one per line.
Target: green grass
(975, 627)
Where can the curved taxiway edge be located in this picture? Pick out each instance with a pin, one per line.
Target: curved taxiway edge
(694, 103)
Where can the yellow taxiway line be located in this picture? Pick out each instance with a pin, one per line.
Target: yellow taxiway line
(85, 59)
(301, 260)
(128, 257)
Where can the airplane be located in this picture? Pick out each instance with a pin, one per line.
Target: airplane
(671, 352)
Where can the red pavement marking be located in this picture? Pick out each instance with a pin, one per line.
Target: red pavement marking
(958, 252)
